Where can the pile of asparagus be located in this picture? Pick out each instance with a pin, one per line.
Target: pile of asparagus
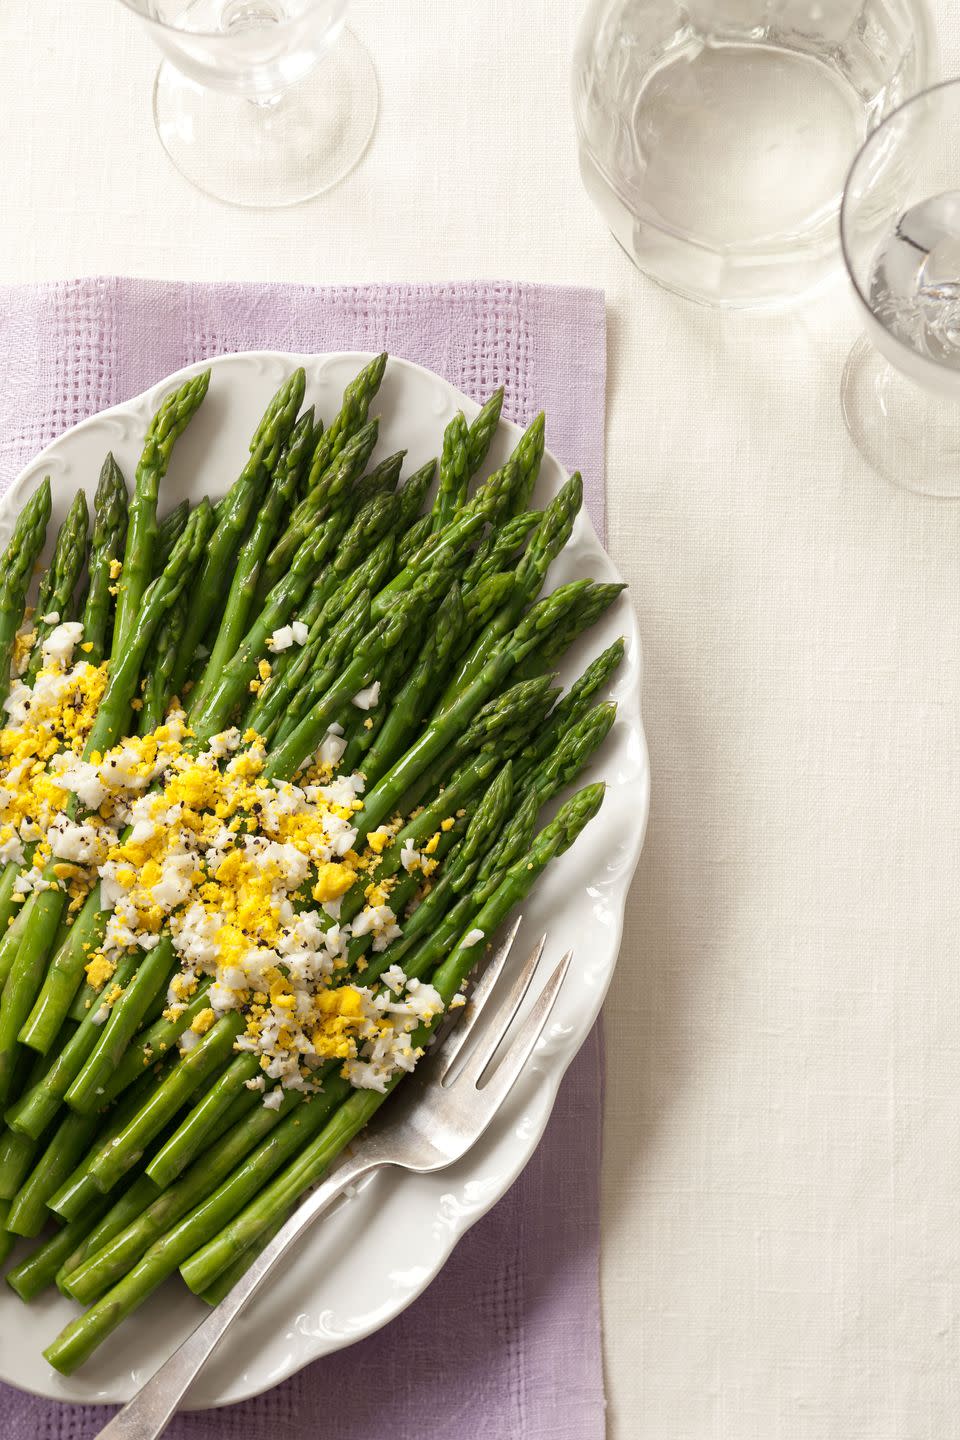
(136, 1158)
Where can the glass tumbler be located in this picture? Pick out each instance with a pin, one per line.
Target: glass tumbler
(900, 228)
(715, 135)
(260, 102)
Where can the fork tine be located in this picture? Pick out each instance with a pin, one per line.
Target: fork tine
(500, 1022)
(453, 1043)
(522, 1046)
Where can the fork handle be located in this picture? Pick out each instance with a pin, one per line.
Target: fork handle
(146, 1416)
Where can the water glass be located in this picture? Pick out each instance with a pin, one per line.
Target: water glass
(260, 102)
(900, 229)
(715, 135)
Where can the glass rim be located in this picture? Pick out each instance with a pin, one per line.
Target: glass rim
(921, 96)
(139, 8)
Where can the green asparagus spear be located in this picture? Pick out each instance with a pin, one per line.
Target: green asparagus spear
(87, 1090)
(7, 1241)
(156, 686)
(353, 412)
(318, 503)
(139, 557)
(38, 1269)
(109, 532)
(192, 1134)
(233, 516)
(28, 1210)
(496, 550)
(201, 1270)
(60, 581)
(38, 1105)
(594, 602)
(286, 758)
(527, 457)
(63, 977)
(169, 530)
(547, 541)
(454, 472)
(412, 542)
(16, 568)
(571, 708)
(246, 575)
(412, 494)
(447, 724)
(125, 1149)
(232, 684)
(285, 682)
(45, 907)
(16, 1157)
(482, 431)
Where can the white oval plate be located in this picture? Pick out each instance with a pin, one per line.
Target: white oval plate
(579, 901)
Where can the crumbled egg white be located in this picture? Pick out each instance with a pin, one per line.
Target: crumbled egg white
(367, 698)
(295, 633)
(246, 876)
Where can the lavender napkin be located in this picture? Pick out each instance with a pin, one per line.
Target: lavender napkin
(505, 1344)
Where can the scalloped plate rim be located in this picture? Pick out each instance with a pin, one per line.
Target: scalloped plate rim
(561, 1054)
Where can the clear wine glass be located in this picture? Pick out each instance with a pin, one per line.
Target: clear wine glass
(900, 231)
(260, 102)
(715, 135)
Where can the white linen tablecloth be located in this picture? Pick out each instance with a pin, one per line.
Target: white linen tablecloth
(782, 1173)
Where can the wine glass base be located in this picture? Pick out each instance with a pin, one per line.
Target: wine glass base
(910, 436)
(277, 152)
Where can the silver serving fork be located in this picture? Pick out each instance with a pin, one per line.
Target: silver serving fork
(432, 1120)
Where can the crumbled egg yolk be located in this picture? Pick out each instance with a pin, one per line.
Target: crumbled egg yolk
(204, 848)
(99, 970)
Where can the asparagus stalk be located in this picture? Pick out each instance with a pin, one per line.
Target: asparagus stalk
(169, 530)
(232, 1238)
(482, 431)
(547, 541)
(28, 1210)
(496, 550)
(454, 472)
(45, 907)
(286, 758)
(123, 1151)
(319, 502)
(571, 708)
(246, 575)
(16, 568)
(446, 724)
(357, 398)
(60, 581)
(109, 530)
(88, 1089)
(284, 683)
(412, 542)
(38, 1105)
(233, 514)
(38, 1269)
(527, 457)
(64, 975)
(157, 684)
(139, 556)
(594, 602)
(16, 1158)
(451, 543)
(412, 495)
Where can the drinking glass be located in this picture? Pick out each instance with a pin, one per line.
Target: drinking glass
(715, 135)
(900, 230)
(260, 102)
